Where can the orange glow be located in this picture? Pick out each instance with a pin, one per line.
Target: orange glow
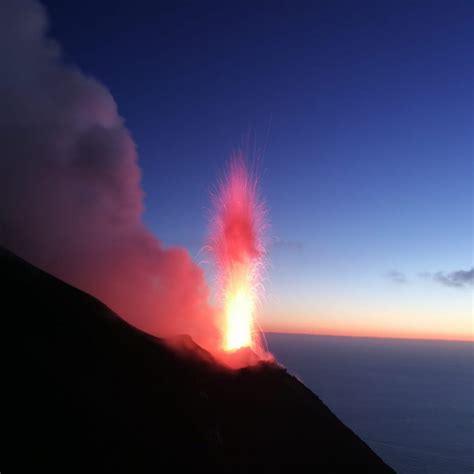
(369, 331)
(239, 308)
(416, 321)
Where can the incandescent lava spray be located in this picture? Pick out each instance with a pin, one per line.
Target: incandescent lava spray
(236, 244)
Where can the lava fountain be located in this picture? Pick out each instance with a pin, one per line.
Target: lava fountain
(236, 243)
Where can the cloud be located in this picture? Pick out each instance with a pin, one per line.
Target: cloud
(456, 279)
(396, 277)
(70, 191)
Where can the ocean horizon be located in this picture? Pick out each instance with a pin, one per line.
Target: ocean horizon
(410, 400)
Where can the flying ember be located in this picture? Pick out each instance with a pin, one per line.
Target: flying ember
(237, 246)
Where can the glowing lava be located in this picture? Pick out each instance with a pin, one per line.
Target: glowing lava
(239, 308)
(236, 243)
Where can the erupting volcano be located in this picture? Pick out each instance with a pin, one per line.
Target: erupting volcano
(236, 243)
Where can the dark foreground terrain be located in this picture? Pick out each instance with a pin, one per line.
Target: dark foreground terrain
(90, 393)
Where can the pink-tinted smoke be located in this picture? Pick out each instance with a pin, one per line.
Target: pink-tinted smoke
(70, 193)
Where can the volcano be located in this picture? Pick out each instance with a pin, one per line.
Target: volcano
(91, 393)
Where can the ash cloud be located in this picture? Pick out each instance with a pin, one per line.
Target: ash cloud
(456, 279)
(71, 199)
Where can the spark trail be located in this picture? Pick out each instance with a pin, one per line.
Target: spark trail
(237, 246)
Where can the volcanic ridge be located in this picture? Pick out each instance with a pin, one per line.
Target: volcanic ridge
(91, 393)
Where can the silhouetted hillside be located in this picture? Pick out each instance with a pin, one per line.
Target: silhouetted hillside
(90, 393)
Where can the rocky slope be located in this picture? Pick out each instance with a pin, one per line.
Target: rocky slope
(87, 392)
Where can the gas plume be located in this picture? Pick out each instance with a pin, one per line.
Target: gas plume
(71, 200)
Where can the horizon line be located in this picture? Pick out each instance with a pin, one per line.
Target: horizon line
(408, 338)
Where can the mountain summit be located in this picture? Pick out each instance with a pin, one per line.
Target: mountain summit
(91, 393)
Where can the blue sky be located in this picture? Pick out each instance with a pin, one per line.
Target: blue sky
(361, 113)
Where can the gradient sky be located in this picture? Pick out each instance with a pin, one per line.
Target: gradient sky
(363, 114)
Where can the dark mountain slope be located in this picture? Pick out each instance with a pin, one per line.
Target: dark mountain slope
(90, 393)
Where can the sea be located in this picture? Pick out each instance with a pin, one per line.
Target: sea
(411, 401)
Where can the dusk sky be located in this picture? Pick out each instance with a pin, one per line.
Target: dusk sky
(361, 114)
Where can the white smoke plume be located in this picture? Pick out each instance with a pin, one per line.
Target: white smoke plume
(70, 194)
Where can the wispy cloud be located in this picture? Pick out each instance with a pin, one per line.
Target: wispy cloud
(455, 279)
(396, 276)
